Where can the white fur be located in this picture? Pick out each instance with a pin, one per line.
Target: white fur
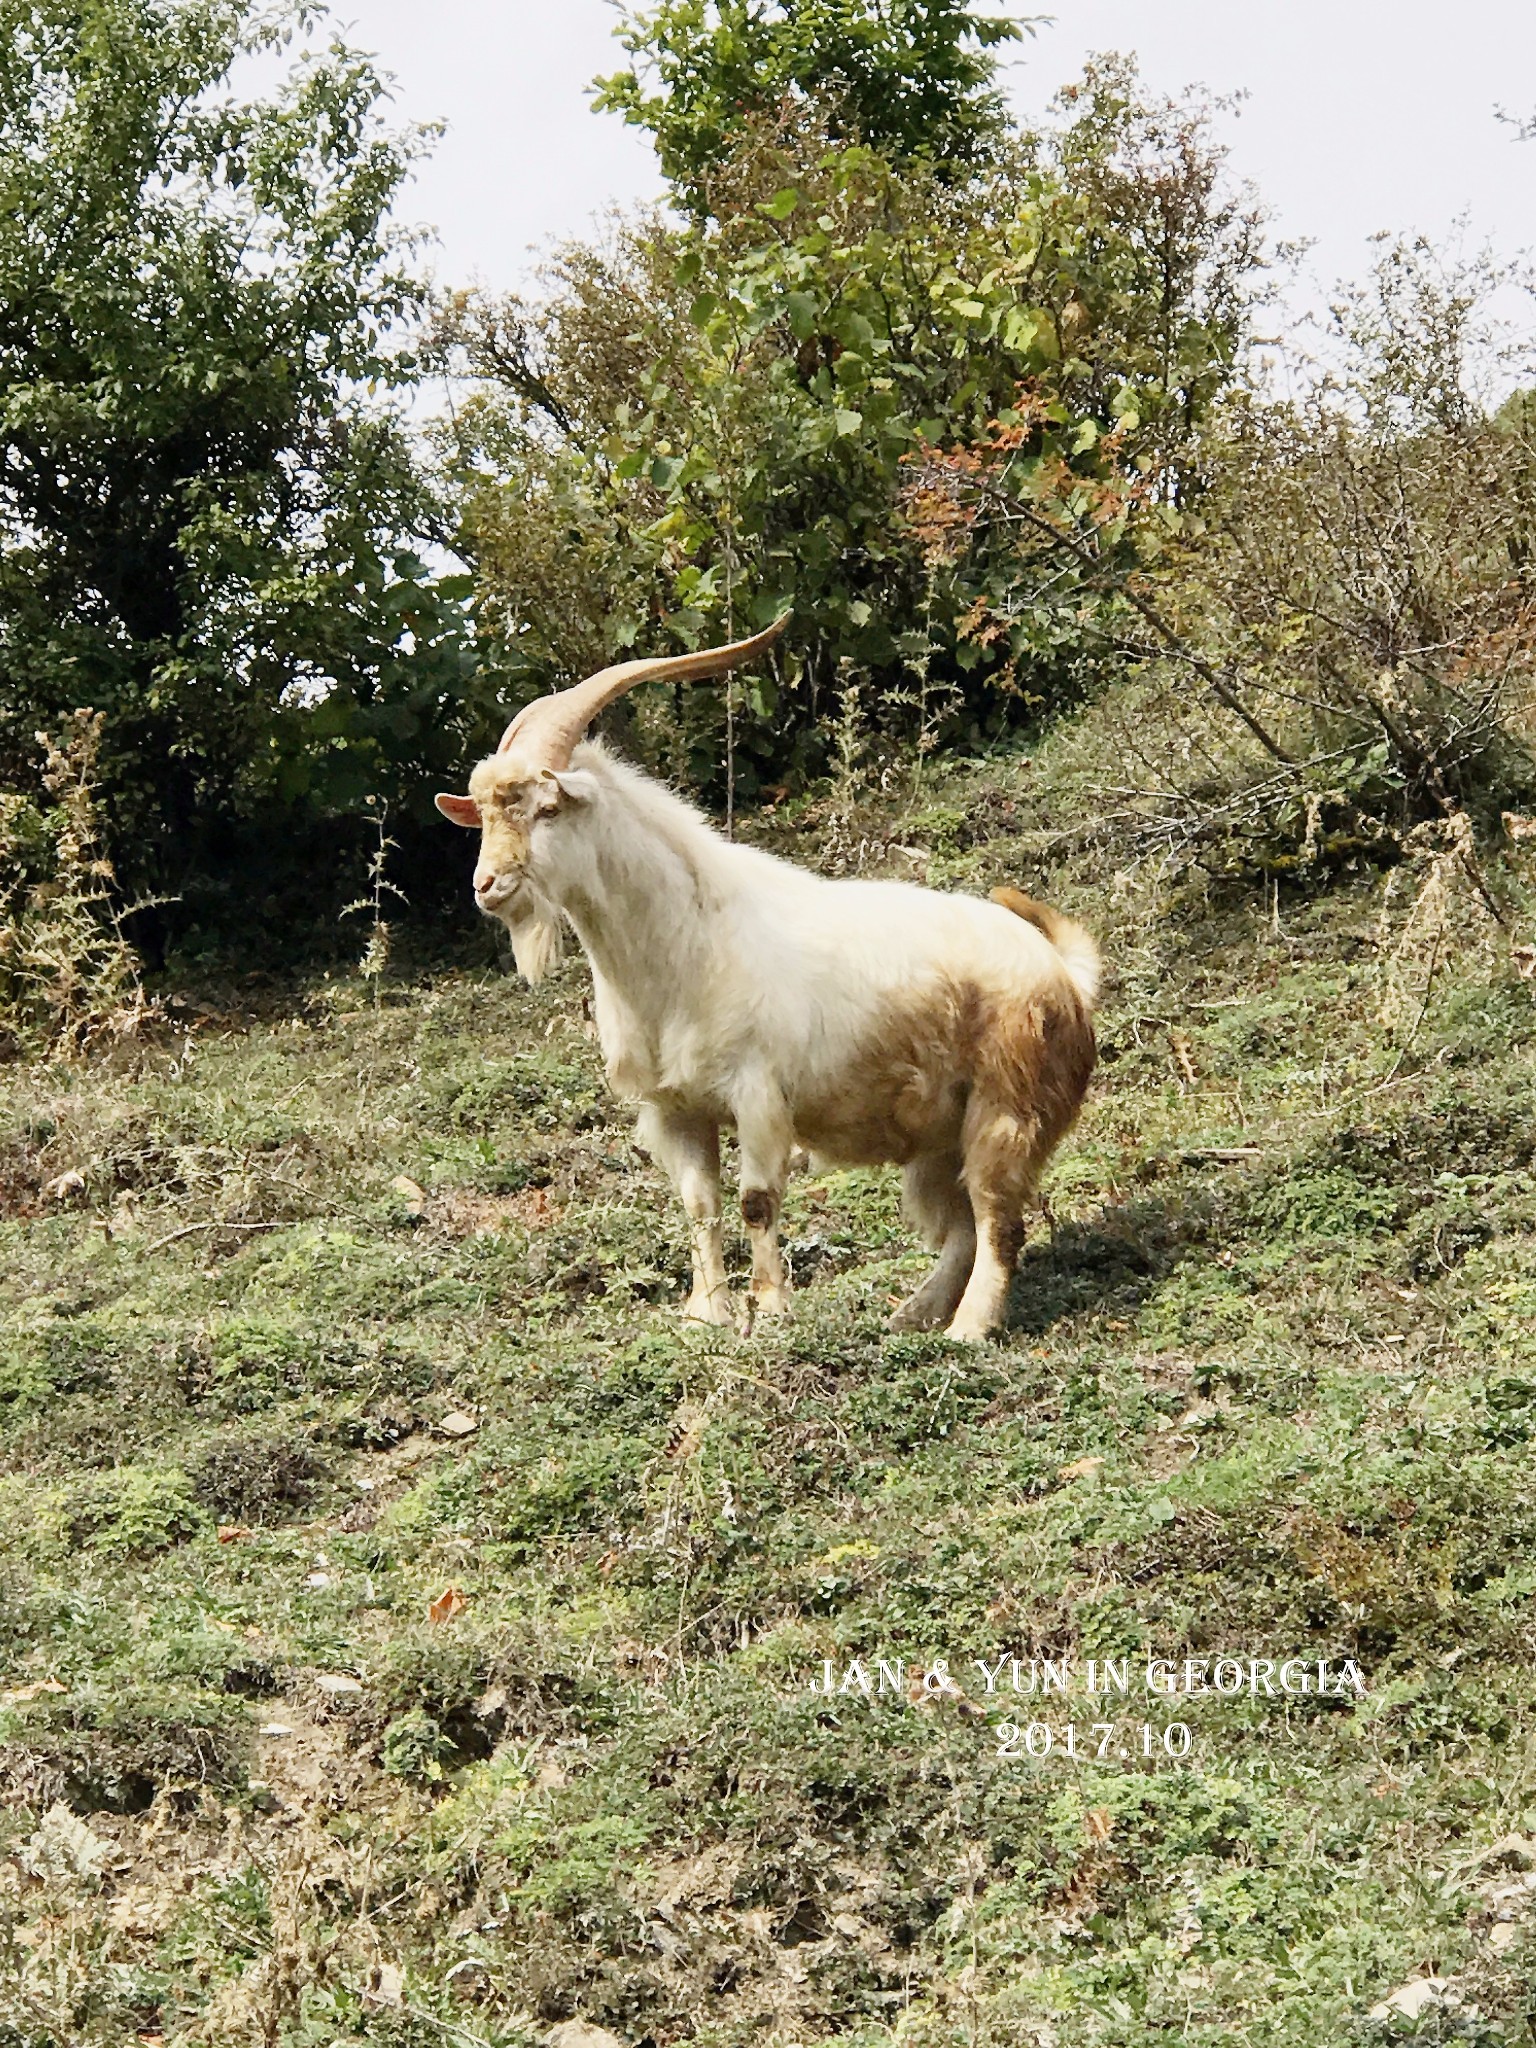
(729, 985)
(710, 959)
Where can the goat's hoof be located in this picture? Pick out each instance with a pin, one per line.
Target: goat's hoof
(709, 1308)
(916, 1314)
(971, 1329)
(763, 1307)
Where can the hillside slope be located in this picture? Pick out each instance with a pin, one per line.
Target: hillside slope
(409, 1626)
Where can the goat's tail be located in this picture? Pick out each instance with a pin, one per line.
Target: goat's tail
(1079, 955)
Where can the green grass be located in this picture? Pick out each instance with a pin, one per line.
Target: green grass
(1269, 1388)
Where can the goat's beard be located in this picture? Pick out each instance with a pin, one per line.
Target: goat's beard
(536, 940)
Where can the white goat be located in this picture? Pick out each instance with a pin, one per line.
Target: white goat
(866, 1021)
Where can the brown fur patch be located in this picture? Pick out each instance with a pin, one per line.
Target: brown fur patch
(507, 809)
(1040, 915)
(1034, 1063)
(906, 1092)
(946, 1061)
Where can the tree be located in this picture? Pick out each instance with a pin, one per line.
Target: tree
(912, 78)
(207, 531)
(694, 427)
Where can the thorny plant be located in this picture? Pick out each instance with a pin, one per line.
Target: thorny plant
(373, 964)
(69, 978)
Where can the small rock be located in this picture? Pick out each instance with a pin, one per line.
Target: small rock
(1412, 2000)
(318, 1579)
(386, 1988)
(458, 1424)
(275, 1728)
(337, 1682)
(1502, 1935)
(580, 2034)
(411, 1193)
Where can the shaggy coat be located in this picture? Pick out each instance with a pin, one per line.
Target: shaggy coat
(866, 1022)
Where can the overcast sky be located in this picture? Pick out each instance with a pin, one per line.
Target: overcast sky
(1361, 114)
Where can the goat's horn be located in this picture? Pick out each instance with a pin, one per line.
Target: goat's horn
(553, 725)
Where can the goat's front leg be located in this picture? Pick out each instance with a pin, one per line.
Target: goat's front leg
(689, 1149)
(766, 1138)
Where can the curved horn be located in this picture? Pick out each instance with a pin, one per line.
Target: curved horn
(552, 725)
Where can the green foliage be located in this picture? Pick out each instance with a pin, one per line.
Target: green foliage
(702, 426)
(910, 78)
(415, 1748)
(1343, 668)
(133, 1512)
(206, 532)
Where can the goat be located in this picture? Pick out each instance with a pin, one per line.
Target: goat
(869, 1022)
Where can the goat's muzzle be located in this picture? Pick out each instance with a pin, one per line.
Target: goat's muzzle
(494, 891)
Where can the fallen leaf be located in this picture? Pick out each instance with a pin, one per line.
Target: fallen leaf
(458, 1424)
(318, 1579)
(1099, 1823)
(233, 1532)
(67, 1184)
(1517, 827)
(275, 1728)
(1080, 1468)
(531, 1207)
(1502, 1935)
(1524, 958)
(65, 1847)
(447, 1604)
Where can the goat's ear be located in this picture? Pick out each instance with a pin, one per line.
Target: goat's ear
(565, 785)
(459, 810)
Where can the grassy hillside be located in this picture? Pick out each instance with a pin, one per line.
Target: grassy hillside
(408, 1624)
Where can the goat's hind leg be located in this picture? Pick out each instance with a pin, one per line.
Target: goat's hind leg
(936, 1203)
(689, 1149)
(1005, 1155)
(766, 1137)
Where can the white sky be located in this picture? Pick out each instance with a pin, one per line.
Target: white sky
(1362, 114)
